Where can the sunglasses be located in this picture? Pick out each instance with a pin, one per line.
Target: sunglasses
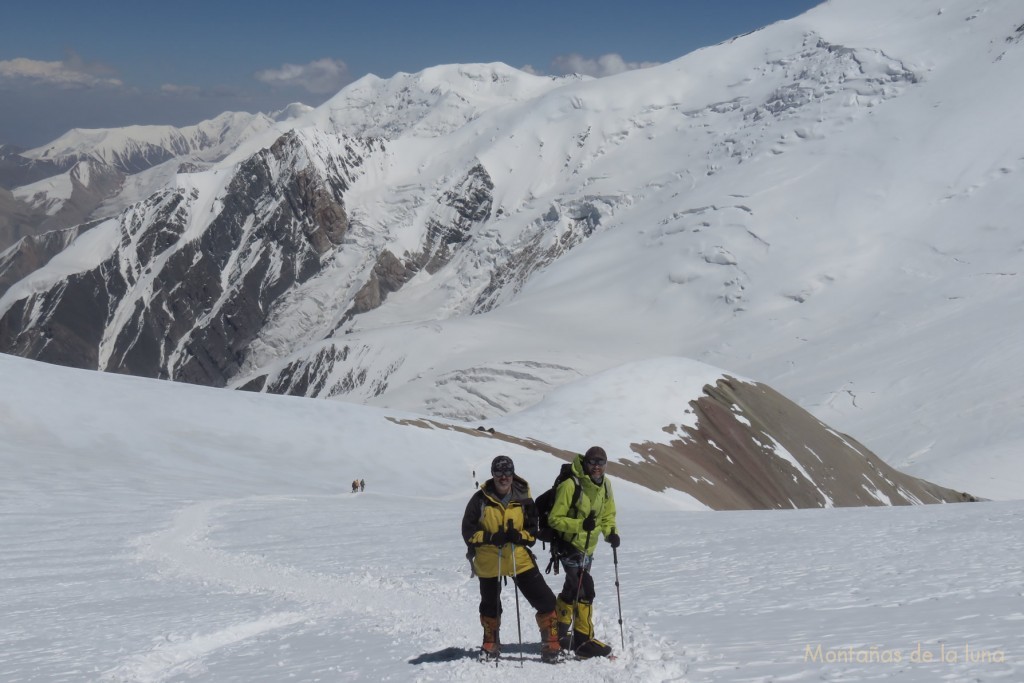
(502, 473)
(595, 462)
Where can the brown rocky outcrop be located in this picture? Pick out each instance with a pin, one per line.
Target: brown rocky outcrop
(752, 448)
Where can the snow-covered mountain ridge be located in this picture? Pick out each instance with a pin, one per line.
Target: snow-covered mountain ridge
(811, 205)
(135, 148)
(142, 159)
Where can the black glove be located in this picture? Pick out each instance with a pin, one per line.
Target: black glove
(589, 523)
(498, 538)
(613, 538)
(514, 536)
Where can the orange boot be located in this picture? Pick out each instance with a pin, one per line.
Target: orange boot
(491, 647)
(549, 647)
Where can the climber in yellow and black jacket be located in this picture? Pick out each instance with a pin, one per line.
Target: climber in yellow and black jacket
(577, 518)
(498, 527)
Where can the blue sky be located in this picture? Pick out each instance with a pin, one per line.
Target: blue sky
(113, 63)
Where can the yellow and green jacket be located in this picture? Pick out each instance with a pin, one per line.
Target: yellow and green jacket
(567, 519)
(485, 514)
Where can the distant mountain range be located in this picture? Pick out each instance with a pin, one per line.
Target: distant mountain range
(51, 186)
(828, 205)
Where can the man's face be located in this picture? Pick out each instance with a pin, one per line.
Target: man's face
(594, 466)
(502, 480)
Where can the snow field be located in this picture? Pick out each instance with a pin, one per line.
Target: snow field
(374, 586)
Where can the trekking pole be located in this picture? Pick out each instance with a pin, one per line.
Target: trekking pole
(497, 601)
(579, 588)
(515, 574)
(618, 594)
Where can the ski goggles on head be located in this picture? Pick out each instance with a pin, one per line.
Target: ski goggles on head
(502, 466)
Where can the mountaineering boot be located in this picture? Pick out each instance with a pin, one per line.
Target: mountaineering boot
(491, 647)
(592, 648)
(564, 639)
(549, 647)
(563, 610)
(584, 644)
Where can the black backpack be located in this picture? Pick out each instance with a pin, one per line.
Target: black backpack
(545, 502)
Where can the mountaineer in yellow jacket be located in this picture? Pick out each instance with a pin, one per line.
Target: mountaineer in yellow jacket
(498, 527)
(577, 517)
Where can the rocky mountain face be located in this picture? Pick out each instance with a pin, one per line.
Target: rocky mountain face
(32, 253)
(78, 177)
(17, 219)
(752, 448)
(86, 185)
(17, 170)
(164, 305)
(197, 276)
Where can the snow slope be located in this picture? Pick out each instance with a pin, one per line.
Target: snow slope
(163, 532)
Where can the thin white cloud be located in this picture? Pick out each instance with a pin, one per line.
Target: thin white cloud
(175, 89)
(605, 65)
(70, 73)
(319, 76)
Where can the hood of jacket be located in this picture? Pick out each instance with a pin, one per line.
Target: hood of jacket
(520, 490)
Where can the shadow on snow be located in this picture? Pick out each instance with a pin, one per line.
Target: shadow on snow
(453, 654)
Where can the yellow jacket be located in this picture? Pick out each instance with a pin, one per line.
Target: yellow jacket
(485, 515)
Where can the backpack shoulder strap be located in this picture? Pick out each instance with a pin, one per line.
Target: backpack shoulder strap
(567, 473)
(576, 489)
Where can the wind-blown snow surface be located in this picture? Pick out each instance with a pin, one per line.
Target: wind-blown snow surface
(163, 532)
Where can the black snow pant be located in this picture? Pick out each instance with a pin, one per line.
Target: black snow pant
(531, 584)
(577, 567)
